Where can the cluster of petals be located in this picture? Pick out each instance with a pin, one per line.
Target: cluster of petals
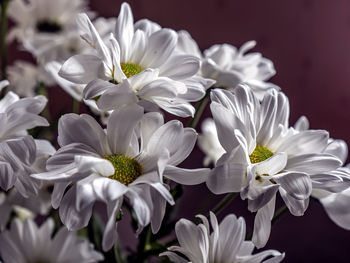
(26, 242)
(83, 163)
(332, 189)
(225, 244)
(14, 202)
(264, 156)
(230, 66)
(138, 64)
(46, 28)
(20, 154)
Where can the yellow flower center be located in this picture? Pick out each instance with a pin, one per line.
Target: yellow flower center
(260, 154)
(130, 69)
(126, 170)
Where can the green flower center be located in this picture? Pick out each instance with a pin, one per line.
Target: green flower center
(260, 154)
(47, 26)
(126, 170)
(130, 69)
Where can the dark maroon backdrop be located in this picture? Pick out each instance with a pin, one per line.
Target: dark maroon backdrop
(309, 43)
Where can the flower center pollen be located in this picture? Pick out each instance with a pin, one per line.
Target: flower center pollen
(130, 69)
(126, 170)
(47, 26)
(260, 154)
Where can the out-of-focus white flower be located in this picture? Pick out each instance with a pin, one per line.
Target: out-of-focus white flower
(263, 155)
(25, 78)
(209, 142)
(21, 157)
(135, 65)
(129, 160)
(26, 242)
(23, 207)
(230, 66)
(46, 28)
(225, 244)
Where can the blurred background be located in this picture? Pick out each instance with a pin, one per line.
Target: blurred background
(309, 44)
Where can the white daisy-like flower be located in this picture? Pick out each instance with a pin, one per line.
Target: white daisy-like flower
(26, 242)
(21, 157)
(230, 66)
(263, 155)
(46, 28)
(25, 78)
(135, 66)
(226, 244)
(128, 160)
(20, 154)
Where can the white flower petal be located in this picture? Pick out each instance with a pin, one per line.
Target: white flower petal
(73, 128)
(180, 67)
(124, 30)
(313, 163)
(310, 141)
(226, 178)
(186, 176)
(70, 216)
(117, 97)
(108, 189)
(262, 224)
(297, 185)
(336, 206)
(81, 69)
(120, 127)
(296, 207)
(96, 87)
(110, 232)
(160, 46)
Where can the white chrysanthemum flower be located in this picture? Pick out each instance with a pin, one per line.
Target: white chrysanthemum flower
(263, 155)
(226, 244)
(25, 78)
(209, 142)
(135, 66)
(46, 28)
(21, 157)
(20, 154)
(23, 207)
(128, 160)
(230, 66)
(18, 115)
(26, 242)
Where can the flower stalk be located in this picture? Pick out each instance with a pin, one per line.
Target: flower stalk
(4, 8)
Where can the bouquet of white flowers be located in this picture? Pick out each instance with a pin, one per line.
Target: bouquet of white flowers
(67, 180)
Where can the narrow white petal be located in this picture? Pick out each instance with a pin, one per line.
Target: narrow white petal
(262, 224)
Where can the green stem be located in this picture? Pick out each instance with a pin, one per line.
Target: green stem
(279, 213)
(224, 203)
(4, 7)
(76, 106)
(200, 107)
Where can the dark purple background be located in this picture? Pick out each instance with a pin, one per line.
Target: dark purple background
(309, 43)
